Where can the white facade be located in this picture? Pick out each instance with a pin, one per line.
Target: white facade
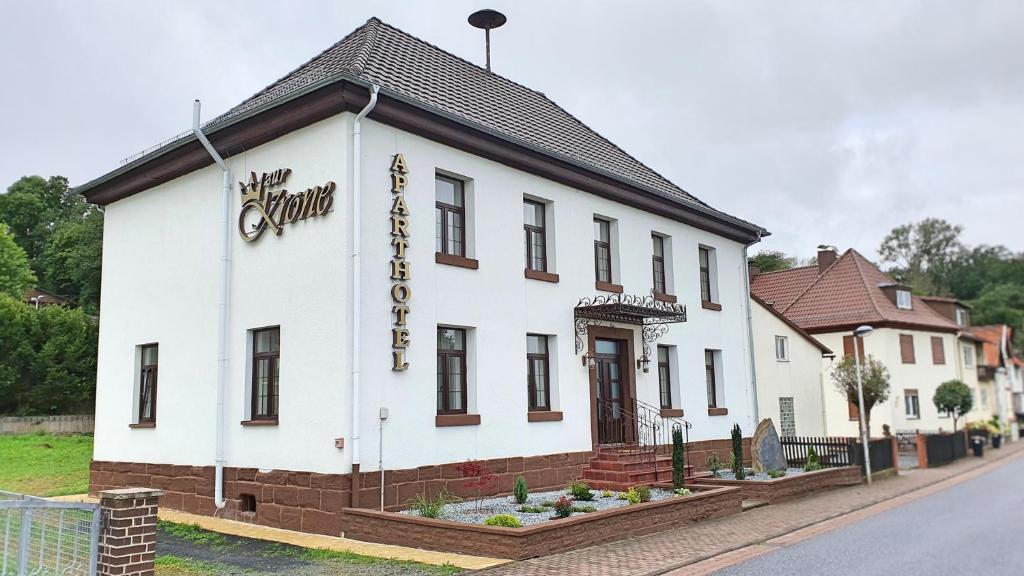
(788, 372)
(160, 268)
(924, 376)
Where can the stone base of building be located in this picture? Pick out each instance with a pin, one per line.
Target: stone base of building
(314, 502)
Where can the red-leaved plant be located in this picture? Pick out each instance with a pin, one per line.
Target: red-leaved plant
(563, 507)
(477, 476)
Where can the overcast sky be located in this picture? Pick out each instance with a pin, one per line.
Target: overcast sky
(825, 122)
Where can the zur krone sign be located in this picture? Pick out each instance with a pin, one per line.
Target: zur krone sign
(400, 291)
(266, 204)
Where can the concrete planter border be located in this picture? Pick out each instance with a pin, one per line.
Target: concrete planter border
(552, 537)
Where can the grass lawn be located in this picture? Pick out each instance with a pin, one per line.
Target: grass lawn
(44, 464)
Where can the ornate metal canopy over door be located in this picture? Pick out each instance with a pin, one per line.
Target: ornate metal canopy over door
(652, 315)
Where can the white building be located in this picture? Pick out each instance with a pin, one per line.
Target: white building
(791, 385)
(453, 353)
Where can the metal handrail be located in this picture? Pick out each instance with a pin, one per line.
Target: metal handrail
(651, 429)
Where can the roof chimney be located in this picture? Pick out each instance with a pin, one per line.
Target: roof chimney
(753, 270)
(827, 255)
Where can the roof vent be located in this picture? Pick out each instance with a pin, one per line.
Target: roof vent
(487, 19)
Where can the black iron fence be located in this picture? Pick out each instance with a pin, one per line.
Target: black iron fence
(838, 451)
(945, 448)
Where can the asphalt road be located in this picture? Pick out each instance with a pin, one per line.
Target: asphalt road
(973, 527)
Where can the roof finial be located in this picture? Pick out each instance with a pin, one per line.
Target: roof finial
(487, 19)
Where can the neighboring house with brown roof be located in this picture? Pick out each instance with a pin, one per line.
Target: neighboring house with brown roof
(915, 343)
(969, 351)
(38, 297)
(790, 387)
(999, 374)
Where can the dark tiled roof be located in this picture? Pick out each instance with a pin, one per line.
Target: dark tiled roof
(405, 65)
(847, 293)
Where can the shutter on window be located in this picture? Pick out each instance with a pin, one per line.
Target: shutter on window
(938, 352)
(907, 348)
(848, 346)
(854, 412)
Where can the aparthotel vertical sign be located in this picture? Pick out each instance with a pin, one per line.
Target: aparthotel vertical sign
(400, 275)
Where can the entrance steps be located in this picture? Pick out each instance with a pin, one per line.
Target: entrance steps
(619, 468)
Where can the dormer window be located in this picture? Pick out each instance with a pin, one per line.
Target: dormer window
(903, 300)
(961, 317)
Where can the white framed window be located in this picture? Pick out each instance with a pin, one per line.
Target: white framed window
(961, 317)
(968, 356)
(782, 348)
(903, 300)
(911, 404)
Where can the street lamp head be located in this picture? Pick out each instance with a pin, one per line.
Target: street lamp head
(863, 331)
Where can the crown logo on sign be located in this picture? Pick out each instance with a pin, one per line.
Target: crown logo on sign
(251, 192)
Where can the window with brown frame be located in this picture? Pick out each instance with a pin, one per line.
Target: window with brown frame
(848, 346)
(533, 224)
(907, 349)
(658, 264)
(450, 212)
(451, 371)
(149, 358)
(704, 256)
(664, 377)
(711, 378)
(266, 369)
(602, 250)
(538, 379)
(938, 350)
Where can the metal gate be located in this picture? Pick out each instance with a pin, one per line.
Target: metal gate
(39, 536)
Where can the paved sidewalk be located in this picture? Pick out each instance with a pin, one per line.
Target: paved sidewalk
(743, 535)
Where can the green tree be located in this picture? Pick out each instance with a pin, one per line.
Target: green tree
(772, 260)
(48, 365)
(921, 254)
(954, 397)
(15, 273)
(977, 268)
(1000, 304)
(875, 382)
(72, 259)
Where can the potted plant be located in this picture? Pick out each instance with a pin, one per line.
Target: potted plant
(995, 432)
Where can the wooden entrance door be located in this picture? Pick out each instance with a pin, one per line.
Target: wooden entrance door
(613, 424)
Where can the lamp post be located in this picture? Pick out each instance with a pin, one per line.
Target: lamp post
(859, 333)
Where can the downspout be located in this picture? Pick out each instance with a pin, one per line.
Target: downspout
(356, 268)
(750, 330)
(222, 303)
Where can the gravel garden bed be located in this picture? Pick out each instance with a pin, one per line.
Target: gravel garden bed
(539, 506)
(751, 475)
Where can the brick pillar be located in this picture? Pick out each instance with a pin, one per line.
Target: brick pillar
(922, 450)
(895, 454)
(128, 537)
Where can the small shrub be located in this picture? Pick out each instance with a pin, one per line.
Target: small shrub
(678, 464)
(682, 492)
(813, 463)
(563, 507)
(505, 520)
(584, 509)
(776, 473)
(624, 496)
(714, 464)
(643, 491)
(737, 452)
(520, 490)
(607, 494)
(633, 496)
(547, 503)
(533, 509)
(429, 506)
(580, 490)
